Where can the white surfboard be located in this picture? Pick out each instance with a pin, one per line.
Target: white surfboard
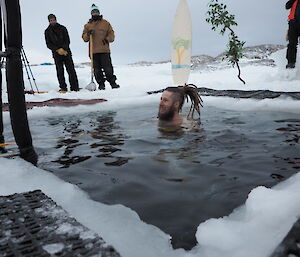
(181, 44)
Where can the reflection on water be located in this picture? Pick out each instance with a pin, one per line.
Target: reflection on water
(72, 128)
(188, 151)
(66, 160)
(290, 129)
(291, 126)
(173, 179)
(99, 136)
(191, 135)
(108, 142)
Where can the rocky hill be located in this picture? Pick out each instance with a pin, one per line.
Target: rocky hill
(254, 55)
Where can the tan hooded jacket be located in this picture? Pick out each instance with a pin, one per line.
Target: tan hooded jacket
(102, 30)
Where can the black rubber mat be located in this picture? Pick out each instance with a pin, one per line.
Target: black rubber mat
(32, 224)
(290, 247)
(254, 94)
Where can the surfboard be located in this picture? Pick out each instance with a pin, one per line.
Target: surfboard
(181, 44)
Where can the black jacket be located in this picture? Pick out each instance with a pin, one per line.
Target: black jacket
(289, 4)
(57, 37)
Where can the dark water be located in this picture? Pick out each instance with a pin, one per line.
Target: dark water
(173, 181)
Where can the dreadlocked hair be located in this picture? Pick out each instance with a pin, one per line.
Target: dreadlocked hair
(187, 92)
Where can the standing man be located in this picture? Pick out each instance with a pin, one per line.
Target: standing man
(293, 32)
(99, 33)
(58, 41)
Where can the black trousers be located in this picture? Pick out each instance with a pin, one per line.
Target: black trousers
(293, 34)
(103, 69)
(67, 61)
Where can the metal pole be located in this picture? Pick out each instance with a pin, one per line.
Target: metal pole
(28, 65)
(14, 78)
(25, 66)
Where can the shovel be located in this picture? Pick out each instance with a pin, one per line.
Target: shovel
(91, 86)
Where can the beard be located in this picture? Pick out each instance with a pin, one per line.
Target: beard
(96, 17)
(168, 115)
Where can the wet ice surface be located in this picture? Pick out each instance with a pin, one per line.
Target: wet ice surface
(173, 181)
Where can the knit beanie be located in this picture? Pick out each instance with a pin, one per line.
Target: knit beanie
(94, 9)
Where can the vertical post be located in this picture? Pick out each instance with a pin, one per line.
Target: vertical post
(14, 78)
(1, 115)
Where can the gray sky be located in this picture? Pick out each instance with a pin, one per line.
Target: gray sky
(143, 28)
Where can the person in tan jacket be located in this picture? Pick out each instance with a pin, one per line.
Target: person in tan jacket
(101, 34)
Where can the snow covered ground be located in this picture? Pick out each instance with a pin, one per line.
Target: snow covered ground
(254, 229)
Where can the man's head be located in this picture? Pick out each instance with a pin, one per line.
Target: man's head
(52, 19)
(169, 105)
(172, 100)
(95, 10)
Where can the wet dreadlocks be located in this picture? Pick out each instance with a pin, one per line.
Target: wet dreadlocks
(187, 92)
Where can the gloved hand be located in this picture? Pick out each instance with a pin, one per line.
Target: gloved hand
(62, 51)
(105, 41)
(65, 53)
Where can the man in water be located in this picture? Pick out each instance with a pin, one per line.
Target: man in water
(58, 41)
(171, 103)
(101, 34)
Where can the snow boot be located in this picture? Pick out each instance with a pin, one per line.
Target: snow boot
(101, 86)
(290, 66)
(63, 89)
(114, 85)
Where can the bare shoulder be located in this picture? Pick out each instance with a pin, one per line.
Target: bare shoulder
(190, 125)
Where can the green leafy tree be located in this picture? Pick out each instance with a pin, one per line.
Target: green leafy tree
(220, 18)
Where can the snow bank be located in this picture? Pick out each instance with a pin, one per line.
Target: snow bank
(254, 229)
(117, 224)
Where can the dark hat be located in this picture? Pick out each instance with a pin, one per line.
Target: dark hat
(94, 9)
(51, 16)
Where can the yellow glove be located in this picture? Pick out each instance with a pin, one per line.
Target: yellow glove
(61, 51)
(65, 53)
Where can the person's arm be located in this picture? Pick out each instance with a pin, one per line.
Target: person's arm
(289, 4)
(49, 44)
(110, 34)
(86, 34)
(66, 39)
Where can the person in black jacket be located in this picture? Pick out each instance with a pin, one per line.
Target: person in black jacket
(58, 41)
(293, 32)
